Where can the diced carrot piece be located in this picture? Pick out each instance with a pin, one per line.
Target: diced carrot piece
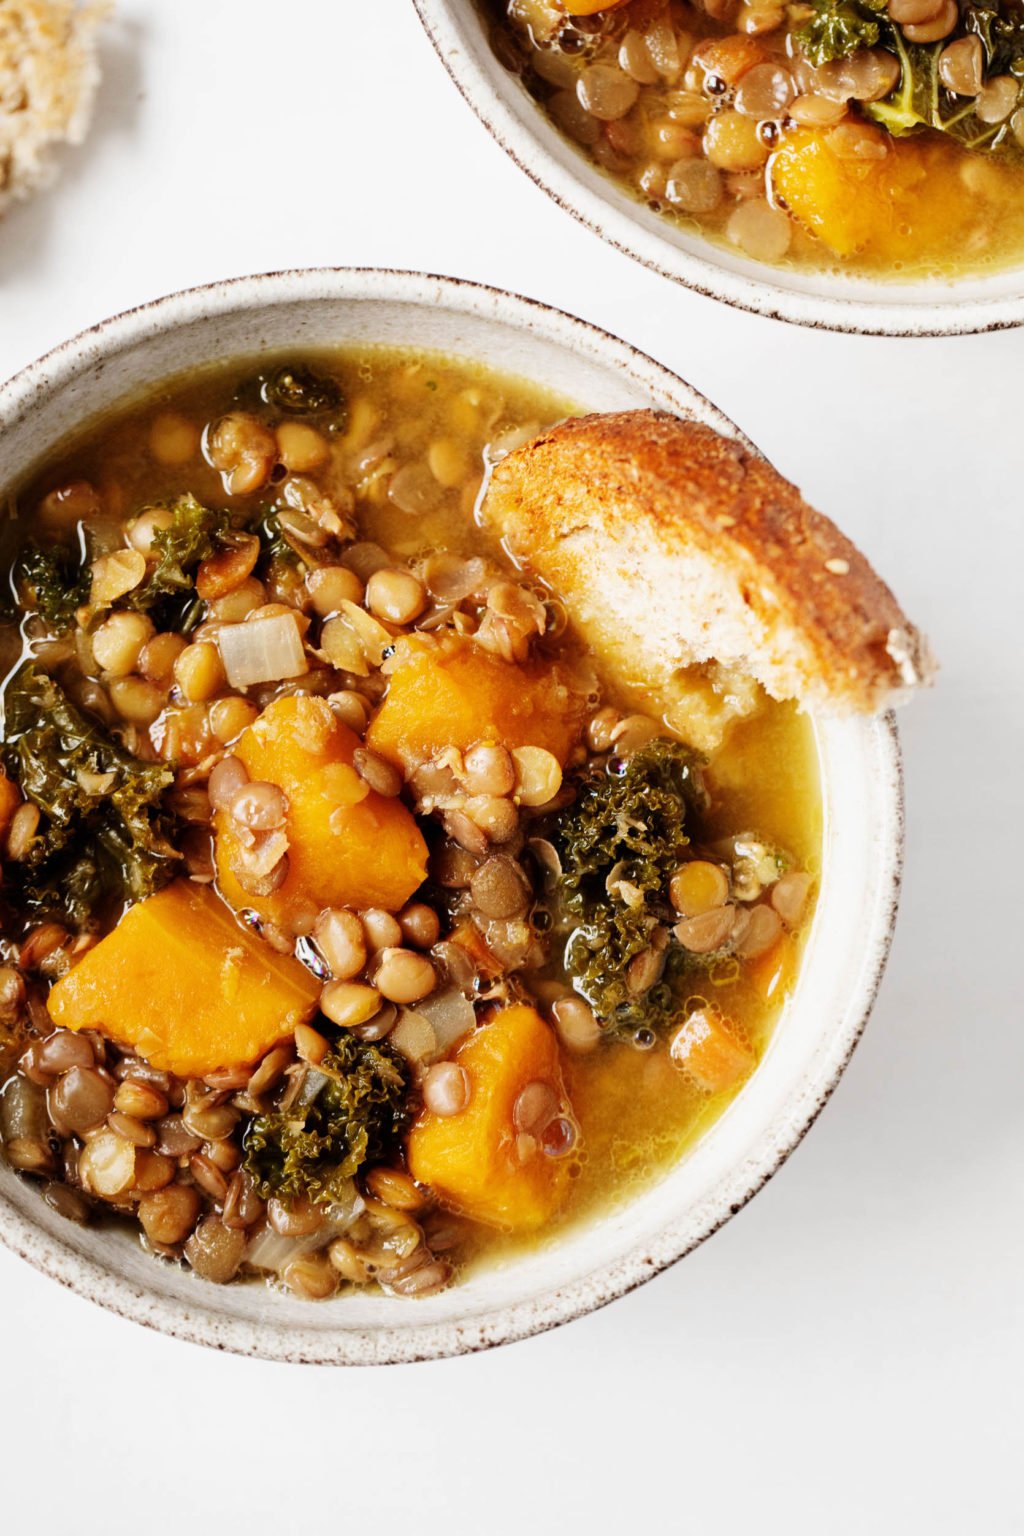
(10, 799)
(709, 1051)
(730, 57)
(456, 693)
(181, 982)
(772, 973)
(477, 1161)
(348, 846)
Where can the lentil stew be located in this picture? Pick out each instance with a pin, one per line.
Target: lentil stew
(354, 927)
(876, 138)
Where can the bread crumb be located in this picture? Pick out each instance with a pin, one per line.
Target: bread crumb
(48, 80)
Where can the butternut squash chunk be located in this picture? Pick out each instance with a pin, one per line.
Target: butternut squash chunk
(906, 206)
(477, 1162)
(348, 845)
(182, 983)
(710, 1052)
(456, 693)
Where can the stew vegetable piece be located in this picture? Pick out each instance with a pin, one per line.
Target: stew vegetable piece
(883, 138)
(355, 928)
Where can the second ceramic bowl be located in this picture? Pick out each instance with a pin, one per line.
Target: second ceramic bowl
(830, 301)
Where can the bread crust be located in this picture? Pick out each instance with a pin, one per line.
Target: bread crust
(672, 545)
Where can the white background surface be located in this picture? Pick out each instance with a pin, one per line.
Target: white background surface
(847, 1355)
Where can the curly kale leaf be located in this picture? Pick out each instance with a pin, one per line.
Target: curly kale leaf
(920, 100)
(351, 1113)
(54, 580)
(298, 390)
(195, 533)
(103, 834)
(839, 28)
(619, 844)
(274, 545)
(295, 389)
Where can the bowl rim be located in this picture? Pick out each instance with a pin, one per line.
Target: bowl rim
(508, 1323)
(757, 294)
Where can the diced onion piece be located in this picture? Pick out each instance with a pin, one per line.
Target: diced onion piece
(261, 650)
(414, 1036)
(428, 1031)
(451, 1016)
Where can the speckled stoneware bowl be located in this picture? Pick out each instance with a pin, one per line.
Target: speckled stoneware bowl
(828, 301)
(846, 952)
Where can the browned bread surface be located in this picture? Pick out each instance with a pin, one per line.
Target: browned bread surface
(672, 544)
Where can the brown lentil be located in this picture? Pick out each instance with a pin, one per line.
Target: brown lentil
(403, 976)
(208, 1177)
(499, 887)
(82, 1098)
(348, 1003)
(168, 1215)
(310, 1276)
(396, 1189)
(270, 1070)
(383, 777)
(136, 1131)
(21, 833)
(295, 1218)
(310, 1044)
(446, 1089)
(420, 925)
(381, 928)
(215, 1251)
(709, 931)
(62, 1051)
(396, 596)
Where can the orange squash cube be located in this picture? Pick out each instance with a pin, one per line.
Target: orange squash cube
(347, 845)
(183, 983)
(477, 1162)
(905, 206)
(456, 693)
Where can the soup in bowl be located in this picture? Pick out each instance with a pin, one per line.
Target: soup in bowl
(392, 909)
(853, 166)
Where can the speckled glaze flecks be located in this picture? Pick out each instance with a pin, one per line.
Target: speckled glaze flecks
(594, 1263)
(821, 300)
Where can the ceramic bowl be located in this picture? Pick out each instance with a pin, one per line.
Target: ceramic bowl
(827, 300)
(596, 1262)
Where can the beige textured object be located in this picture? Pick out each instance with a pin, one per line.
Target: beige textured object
(673, 545)
(48, 79)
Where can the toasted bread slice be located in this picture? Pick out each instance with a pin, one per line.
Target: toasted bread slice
(673, 545)
(48, 78)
